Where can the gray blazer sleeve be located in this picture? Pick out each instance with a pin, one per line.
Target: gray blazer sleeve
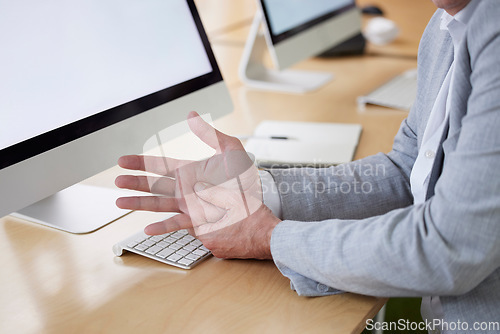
(378, 243)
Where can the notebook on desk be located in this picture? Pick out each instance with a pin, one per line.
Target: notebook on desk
(290, 144)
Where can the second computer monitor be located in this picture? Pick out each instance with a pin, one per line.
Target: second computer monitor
(294, 31)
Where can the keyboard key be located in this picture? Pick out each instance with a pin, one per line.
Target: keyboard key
(196, 243)
(182, 252)
(132, 244)
(183, 242)
(174, 257)
(141, 247)
(185, 261)
(140, 239)
(200, 252)
(163, 244)
(148, 243)
(153, 250)
(193, 256)
(166, 252)
(177, 235)
(189, 248)
(175, 246)
(169, 240)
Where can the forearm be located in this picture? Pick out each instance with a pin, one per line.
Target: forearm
(360, 189)
(402, 253)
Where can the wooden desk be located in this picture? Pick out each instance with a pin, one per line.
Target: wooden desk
(55, 282)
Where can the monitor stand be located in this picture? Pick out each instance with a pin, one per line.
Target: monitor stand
(80, 208)
(255, 74)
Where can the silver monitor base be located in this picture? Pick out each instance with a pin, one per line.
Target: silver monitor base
(254, 73)
(78, 209)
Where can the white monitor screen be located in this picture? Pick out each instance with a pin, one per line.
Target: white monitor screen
(286, 15)
(63, 61)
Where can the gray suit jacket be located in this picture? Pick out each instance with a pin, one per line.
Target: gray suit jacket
(355, 228)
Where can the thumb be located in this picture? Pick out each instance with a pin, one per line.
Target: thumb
(220, 197)
(216, 195)
(210, 136)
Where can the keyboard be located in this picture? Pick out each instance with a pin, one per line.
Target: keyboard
(178, 249)
(398, 93)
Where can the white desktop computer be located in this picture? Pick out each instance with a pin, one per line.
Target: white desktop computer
(294, 31)
(85, 82)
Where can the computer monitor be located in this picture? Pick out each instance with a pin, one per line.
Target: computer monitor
(85, 82)
(294, 31)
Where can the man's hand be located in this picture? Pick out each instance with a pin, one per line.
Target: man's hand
(217, 199)
(236, 234)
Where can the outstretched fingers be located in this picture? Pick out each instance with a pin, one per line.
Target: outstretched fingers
(149, 203)
(175, 223)
(211, 136)
(156, 185)
(151, 164)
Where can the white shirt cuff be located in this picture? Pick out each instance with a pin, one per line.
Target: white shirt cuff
(270, 195)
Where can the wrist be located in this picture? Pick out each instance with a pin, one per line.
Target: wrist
(269, 223)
